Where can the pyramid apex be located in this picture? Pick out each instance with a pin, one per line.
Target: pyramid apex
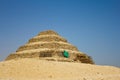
(48, 32)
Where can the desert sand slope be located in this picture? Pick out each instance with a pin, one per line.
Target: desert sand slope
(34, 69)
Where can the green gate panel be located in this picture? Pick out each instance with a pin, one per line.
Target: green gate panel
(66, 54)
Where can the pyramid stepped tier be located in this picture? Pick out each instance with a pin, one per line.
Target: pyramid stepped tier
(46, 52)
(51, 54)
(47, 38)
(49, 45)
(50, 32)
(46, 49)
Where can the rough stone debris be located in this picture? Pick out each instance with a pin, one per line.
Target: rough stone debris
(49, 45)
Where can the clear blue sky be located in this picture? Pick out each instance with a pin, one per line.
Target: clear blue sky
(91, 25)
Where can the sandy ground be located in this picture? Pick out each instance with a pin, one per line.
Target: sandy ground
(34, 69)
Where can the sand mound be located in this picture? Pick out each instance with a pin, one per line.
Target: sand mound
(34, 69)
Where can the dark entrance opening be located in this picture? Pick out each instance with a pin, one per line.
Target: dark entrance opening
(45, 55)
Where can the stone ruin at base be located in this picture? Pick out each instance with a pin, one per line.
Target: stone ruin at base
(49, 45)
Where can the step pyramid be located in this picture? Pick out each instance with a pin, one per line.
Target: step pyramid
(49, 45)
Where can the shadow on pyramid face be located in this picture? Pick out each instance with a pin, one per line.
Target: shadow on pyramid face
(49, 45)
